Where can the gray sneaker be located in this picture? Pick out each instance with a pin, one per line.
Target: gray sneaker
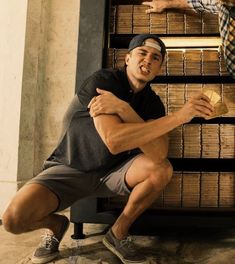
(49, 246)
(124, 249)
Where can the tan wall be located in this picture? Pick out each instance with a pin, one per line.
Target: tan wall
(12, 36)
(55, 37)
(37, 81)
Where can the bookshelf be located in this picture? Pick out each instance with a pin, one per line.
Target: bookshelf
(202, 152)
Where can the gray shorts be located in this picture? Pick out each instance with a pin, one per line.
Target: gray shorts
(70, 185)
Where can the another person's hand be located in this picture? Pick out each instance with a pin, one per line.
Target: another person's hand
(156, 6)
(106, 103)
(197, 106)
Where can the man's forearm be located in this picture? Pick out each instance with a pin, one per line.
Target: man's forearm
(158, 6)
(181, 4)
(156, 149)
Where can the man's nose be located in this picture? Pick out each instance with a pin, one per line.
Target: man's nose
(148, 58)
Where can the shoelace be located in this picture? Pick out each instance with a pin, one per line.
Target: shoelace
(49, 241)
(128, 242)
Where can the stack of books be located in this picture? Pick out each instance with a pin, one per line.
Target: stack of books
(120, 57)
(222, 64)
(210, 141)
(209, 189)
(210, 23)
(161, 91)
(127, 19)
(191, 189)
(175, 97)
(158, 23)
(227, 141)
(175, 62)
(124, 19)
(176, 143)
(193, 22)
(191, 89)
(192, 140)
(229, 98)
(141, 20)
(175, 22)
(226, 189)
(172, 192)
(192, 62)
(210, 62)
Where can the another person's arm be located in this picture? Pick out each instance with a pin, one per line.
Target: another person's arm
(227, 32)
(158, 6)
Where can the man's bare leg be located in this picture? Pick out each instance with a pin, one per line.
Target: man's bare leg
(31, 209)
(147, 180)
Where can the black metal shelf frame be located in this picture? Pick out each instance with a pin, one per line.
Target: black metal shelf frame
(121, 41)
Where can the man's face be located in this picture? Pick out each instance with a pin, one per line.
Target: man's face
(144, 63)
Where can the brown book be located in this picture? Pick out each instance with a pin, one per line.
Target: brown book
(226, 189)
(209, 189)
(228, 95)
(191, 189)
(172, 192)
(175, 62)
(192, 140)
(210, 141)
(176, 143)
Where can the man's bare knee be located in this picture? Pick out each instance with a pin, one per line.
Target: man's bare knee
(161, 173)
(11, 221)
(32, 203)
(168, 169)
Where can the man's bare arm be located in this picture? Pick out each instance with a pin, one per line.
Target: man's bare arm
(158, 6)
(119, 136)
(108, 103)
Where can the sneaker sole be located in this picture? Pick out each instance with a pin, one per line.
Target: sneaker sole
(36, 260)
(115, 252)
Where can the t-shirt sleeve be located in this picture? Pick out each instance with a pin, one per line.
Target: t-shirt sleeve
(154, 108)
(88, 89)
(210, 6)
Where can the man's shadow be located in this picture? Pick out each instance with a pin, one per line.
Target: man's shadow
(197, 246)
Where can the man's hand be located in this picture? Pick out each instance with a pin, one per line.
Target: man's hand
(106, 103)
(158, 6)
(197, 106)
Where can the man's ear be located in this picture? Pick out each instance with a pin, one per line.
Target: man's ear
(127, 58)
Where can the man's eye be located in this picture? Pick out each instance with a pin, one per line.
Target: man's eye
(156, 58)
(142, 53)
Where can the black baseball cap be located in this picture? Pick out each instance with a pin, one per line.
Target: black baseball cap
(139, 41)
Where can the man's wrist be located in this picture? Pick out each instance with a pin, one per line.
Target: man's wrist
(178, 119)
(179, 4)
(122, 110)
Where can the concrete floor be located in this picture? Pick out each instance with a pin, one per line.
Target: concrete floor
(195, 246)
